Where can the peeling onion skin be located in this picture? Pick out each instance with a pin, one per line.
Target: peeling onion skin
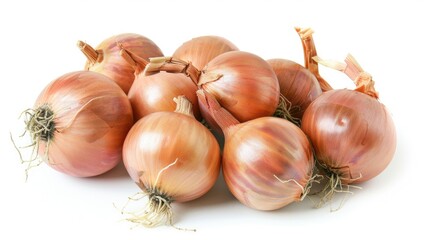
(247, 86)
(257, 150)
(352, 133)
(201, 50)
(110, 62)
(153, 93)
(160, 138)
(87, 143)
(297, 84)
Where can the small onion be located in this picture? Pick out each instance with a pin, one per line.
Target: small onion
(173, 158)
(267, 162)
(79, 123)
(353, 134)
(297, 84)
(106, 59)
(201, 50)
(153, 93)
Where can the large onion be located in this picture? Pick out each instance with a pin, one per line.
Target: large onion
(79, 123)
(173, 158)
(106, 58)
(352, 132)
(267, 162)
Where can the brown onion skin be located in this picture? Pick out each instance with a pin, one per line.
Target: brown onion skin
(257, 150)
(92, 143)
(352, 133)
(201, 50)
(247, 85)
(297, 84)
(113, 65)
(160, 138)
(154, 93)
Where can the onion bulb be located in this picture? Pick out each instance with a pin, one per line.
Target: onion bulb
(79, 123)
(297, 84)
(353, 134)
(267, 162)
(153, 93)
(105, 58)
(201, 50)
(173, 158)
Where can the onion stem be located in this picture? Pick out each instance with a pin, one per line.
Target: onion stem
(138, 63)
(172, 65)
(91, 54)
(183, 105)
(306, 35)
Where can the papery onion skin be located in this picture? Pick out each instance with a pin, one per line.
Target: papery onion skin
(153, 93)
(243, 83)
(201, 50)
(258, 151)
(160, 138)
(110, 63)
(297, 84)
(92, 118)
(352, 133)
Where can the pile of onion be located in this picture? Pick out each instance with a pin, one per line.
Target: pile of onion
(106, 58)
(242, 82)
(79, 123)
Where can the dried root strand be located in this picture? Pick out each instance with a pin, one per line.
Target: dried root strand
(40, 125)
(333, 186)
(285, 109)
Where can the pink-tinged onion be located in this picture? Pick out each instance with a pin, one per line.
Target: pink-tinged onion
(353, 134)
(267, 162)
(297, 84)
(153, 93)
(106, 58)
(201, 50)
(79, 123)
(173, 158)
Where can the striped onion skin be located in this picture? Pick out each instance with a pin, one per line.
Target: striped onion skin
(106, 58)
(352, 133)
(259, 155)
(297, 84)
(201, 50)
(92, 117)
(153, 93)
(158, 140)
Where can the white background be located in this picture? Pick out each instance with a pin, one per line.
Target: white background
(389, 39)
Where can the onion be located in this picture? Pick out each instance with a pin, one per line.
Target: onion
(353, 134)
(153, 93)
(242, 82)
(79, 123)
(297, 84)
(173, 158)
(201, 50)
(106, 59)
(267, 162)
(306, 36)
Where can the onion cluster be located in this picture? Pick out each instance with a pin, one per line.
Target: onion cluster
(275, 122)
